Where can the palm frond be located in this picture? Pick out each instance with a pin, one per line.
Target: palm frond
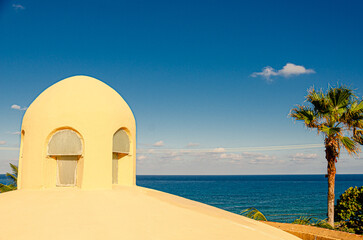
(322, 224)
(352, 119)
(7, 188)
(14, 168)
(350, 145)
(13, 177)
(303, 220)
(357, 106)
(358, 136)
(340, 96)
(312, 221)
(330, 131)
(318, 100)
(254, 214)
(306, 114)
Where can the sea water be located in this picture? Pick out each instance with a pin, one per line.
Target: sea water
(280, 198)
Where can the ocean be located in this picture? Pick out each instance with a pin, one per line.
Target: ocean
(281, 198)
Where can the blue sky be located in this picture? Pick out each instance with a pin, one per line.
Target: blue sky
(186, 68)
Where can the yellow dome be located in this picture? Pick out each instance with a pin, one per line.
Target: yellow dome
(89, 109)
(79, 99)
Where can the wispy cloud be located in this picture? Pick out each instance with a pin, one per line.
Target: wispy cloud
(288, 70)
(159, 144)
(2, 142)
(259, 158)
(231, 156)
(266, 72)
(215, 157)
(218, 159)
(18, 7)
(303, 156)
(9, 148)
(141, 157)
(191, 144)
(15, 133)
(218, 150)
(17, 107)
(239, 149)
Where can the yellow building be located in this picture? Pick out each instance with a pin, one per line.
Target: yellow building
(77, 178)
(76, 133)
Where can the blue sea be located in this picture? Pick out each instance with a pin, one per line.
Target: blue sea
(281, 198)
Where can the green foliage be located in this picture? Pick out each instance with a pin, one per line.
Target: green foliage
(14, 178)
(254, 214)
(337, 114)
(349, 210)
(303, 220)
(312, 221)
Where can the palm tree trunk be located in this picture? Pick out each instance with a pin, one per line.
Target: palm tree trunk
(331, 156)
(331, 194)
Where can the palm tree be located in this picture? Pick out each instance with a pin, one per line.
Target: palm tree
(338, 116)
(14, 178)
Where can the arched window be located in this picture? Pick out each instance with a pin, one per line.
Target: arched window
(120, 148)
(66, 147)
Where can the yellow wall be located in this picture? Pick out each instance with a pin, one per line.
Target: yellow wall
(92, 109)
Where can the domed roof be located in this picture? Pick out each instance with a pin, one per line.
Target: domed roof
(79, 98)
(89, 112)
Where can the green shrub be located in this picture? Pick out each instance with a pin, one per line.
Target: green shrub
(349, 210)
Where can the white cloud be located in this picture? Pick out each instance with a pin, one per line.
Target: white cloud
(288, 70)
(238, 149)
(267, 72)
(9, 148)
(14, 106)
(159, 144)
(192, 145)
(303, 156)
(17, 107)
(259, 158)
(2, 142)
(217, 158)
(232, 156)
(291, 69)
(18, 7)
(223, 160)
(218, 150)
(15, 133)
(141, 157)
